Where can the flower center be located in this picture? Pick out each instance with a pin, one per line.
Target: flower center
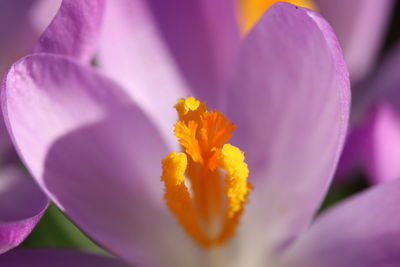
(249, 11)
(206, 184)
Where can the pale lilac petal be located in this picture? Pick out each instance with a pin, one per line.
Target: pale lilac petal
(22, 204)
(133, 53)
(74, 31)
(56, 257)
(360, 27)
(289, 99)
(98, 157)
(362, 232)
(35, 79)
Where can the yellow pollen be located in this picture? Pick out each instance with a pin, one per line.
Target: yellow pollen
(249, 11)
(192, 103)
(232, 160)
(206, 185)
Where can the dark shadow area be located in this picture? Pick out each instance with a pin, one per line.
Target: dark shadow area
(393, 31)
(345, 188)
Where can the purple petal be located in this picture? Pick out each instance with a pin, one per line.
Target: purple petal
(386, 84)
(96, 155)
(290, 101)
(374, 145)
(22, 205)
(6, 146)
(59, 258)
(362, 232)
(13, 19)
(385, 89)
(21, 22)
(352, 158)
(74, 31)
(133, 53)
(43, 13)
(20, 27)
(360, 27)
(203, 38)
(383, 148)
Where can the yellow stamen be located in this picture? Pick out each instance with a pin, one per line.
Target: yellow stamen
(206, 185)
(232, 160)
(249, 11)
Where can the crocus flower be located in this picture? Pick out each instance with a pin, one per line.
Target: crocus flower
(21, 201)
(94, 136)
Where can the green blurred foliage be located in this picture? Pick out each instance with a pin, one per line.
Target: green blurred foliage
(56, 230)
(342, 189)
